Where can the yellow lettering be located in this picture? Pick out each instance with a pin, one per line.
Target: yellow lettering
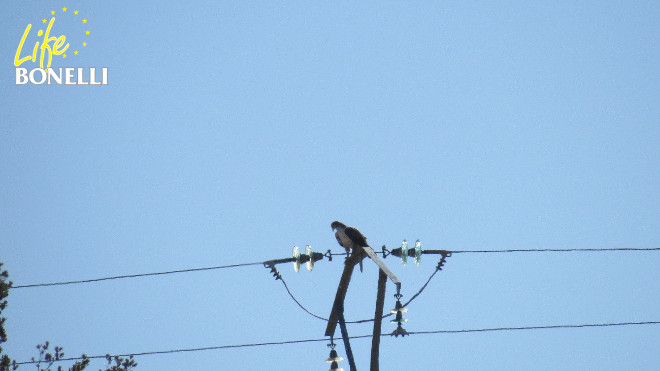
(18, 62)
(58, 43)
(34, 51)
(44, 45)
(58, 47)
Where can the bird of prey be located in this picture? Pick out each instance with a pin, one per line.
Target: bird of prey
(350, 238)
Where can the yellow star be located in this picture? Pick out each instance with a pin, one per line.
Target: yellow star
(84, 21)
(87, 32)
(75, 12)
(44, 21)
(52, 12)
(64, 9)
(84, 44)
(76, 52)
(63, 55)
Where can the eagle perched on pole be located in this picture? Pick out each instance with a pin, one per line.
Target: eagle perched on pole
(350, 238)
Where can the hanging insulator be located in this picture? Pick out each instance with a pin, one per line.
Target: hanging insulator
(418, 252)
(441, 262)
(399, 310)
(335, 367)
(275, 273)
(333, 359)
(296, 255)
(310, 253)
(317, 256)
(399, 319)
(404, 252)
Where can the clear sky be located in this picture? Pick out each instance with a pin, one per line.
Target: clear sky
(231, 131)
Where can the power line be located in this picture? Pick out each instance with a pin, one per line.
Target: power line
(331, 254)
(157, 352)
(286, 342)
(546, 327)
(555, 250)
(278, 276)
(135, 275)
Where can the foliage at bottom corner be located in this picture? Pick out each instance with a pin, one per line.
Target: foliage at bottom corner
(46, 360)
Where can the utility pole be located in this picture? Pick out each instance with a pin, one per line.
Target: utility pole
(378, 320)
(337, 313)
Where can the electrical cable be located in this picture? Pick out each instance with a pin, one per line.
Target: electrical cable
(135, 275)
(330, 254)
(565, 326)
(556, 250)
(479, 330)
(546, 327)
(420, 290)
(279, 277)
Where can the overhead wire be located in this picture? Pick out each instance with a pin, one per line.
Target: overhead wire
(48, 284)
(136, 275)
(160, 352)
(280, 278)
(604, 249)
(545, 327)
(286, 342)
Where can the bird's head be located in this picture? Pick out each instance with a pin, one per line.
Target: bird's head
(337, 225)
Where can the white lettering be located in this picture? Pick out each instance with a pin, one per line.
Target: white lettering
(68, 72)
(21, 76)
(81, 81)
(43, 76)
(55, 76)
(92, 77)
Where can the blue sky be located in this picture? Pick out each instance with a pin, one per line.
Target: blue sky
(230, 132)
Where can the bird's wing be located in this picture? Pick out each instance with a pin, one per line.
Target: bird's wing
(356, 236)
(339, 239)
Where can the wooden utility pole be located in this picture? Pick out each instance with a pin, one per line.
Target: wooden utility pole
(378, 320)
(338, 304)
(337, 313)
